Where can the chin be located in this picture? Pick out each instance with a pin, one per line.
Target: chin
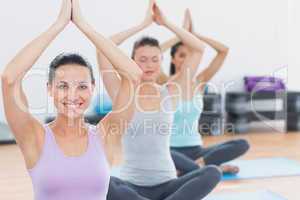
(149, 79)
(72, 115)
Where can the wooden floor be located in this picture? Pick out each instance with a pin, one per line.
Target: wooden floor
(15, 183)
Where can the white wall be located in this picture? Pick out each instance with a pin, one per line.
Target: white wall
(256, 32)
(294, 43)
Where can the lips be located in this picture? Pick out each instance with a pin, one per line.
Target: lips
(72, 105)
(149, 73)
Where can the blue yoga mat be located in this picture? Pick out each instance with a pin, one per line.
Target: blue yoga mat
(257, 169)
(265, 168)
(259, 195)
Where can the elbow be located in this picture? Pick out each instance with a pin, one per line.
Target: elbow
(7, 79)
(138, 76)
(224, 51)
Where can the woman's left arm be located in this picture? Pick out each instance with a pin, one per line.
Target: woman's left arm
(196, 47)
(217, 62)
(114, 124)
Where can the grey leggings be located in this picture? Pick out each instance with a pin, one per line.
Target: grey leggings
(193, 186)
(184, 157)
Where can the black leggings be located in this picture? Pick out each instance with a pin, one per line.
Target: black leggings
(193, 186)
(184, 157)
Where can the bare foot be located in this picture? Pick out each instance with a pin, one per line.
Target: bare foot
(230, 169)
(200, 162)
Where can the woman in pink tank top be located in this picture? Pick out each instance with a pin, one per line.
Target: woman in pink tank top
(69, 159)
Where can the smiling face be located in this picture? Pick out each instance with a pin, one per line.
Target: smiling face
(149, 59)
(72, 90)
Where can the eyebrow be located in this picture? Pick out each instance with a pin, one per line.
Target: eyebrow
(145, 57)
(81, 82)
(64, 82)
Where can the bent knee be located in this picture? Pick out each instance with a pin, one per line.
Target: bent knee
(242, 145)
(213, 172)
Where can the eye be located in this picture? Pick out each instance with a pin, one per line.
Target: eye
(143, 60)
(83, 87)
(155, 60)
(63, 86)
(182, 55)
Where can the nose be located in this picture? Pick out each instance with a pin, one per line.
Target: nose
(149, 65)
(72, 93)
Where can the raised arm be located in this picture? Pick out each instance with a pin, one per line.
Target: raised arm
(171, 42)
(109, 73)
(26, 129)
(217, 62)
(195, 46)
(220, 48)
(163, 78)
(122, 64)
(114, 124)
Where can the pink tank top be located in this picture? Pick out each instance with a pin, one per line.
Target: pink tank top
(59, 177)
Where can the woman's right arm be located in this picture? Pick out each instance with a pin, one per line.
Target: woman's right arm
(22, 123)
(217, 62)
(163, 78)
(108, 73)
(195, 46)
(114, 124)
(186, 25)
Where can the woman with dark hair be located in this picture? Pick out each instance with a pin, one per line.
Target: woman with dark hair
(68, 159)
(187, 148)
(148, 171)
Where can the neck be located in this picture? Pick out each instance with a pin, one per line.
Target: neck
(69, 126)
(148, 87)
